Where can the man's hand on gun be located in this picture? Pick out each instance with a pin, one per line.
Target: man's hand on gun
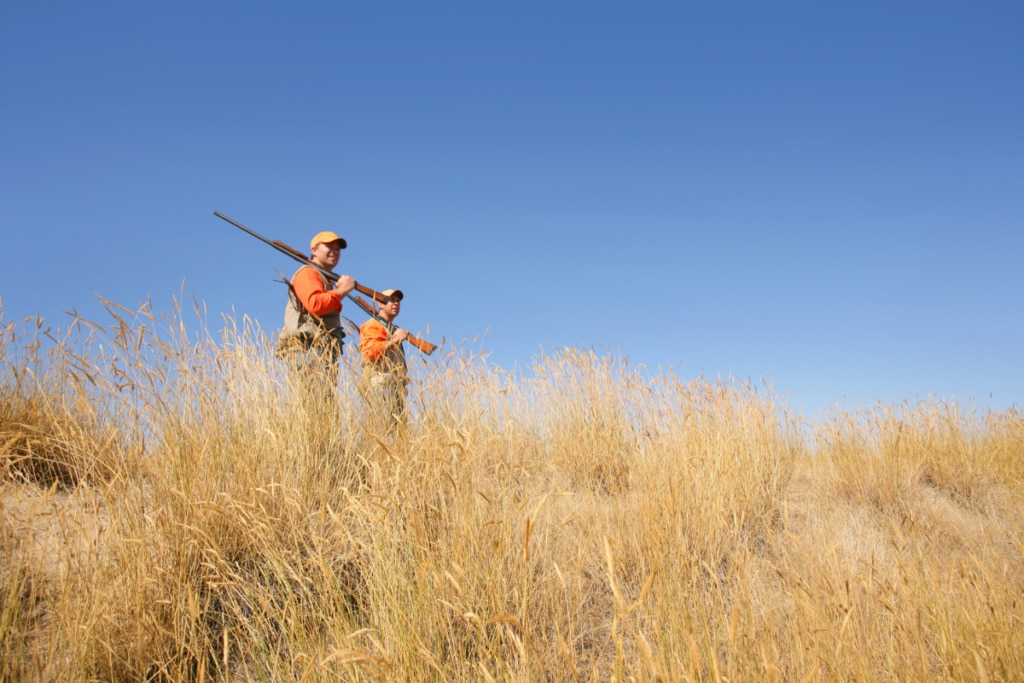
(345, 284)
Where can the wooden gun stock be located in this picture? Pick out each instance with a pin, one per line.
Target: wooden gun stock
(421, 344)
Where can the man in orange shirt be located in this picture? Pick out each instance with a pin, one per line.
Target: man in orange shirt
(312, 329)
(384, 376)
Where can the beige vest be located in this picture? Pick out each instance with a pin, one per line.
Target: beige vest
(303, 329)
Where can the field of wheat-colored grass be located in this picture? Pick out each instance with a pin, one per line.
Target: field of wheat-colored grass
(170, 510)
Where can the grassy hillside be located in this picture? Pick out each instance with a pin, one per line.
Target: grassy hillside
(170, 512)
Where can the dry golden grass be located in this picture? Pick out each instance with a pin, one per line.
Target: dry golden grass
(171, 512)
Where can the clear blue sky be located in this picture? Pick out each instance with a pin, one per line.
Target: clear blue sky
(827, 195)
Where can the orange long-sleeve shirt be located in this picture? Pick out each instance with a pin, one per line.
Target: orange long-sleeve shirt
(310, 289)
(377, 356)
(372, 338)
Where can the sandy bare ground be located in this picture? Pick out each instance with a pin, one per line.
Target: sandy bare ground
(52, 529)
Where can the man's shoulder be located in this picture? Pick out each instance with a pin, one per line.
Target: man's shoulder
(306, 270)
(310, 276)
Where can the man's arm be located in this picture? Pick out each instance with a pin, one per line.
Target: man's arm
(310, 289)
(373, 340)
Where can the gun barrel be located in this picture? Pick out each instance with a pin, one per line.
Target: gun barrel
(300, 257)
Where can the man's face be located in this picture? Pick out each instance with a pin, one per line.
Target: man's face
(390, 308)
(326, 254)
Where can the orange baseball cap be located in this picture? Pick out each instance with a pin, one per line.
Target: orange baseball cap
(326, 237)
(393, 293)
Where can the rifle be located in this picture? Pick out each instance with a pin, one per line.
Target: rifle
(302, 258)
(421, 344)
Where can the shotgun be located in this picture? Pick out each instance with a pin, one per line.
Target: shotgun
(421, 344)
(302, 258)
